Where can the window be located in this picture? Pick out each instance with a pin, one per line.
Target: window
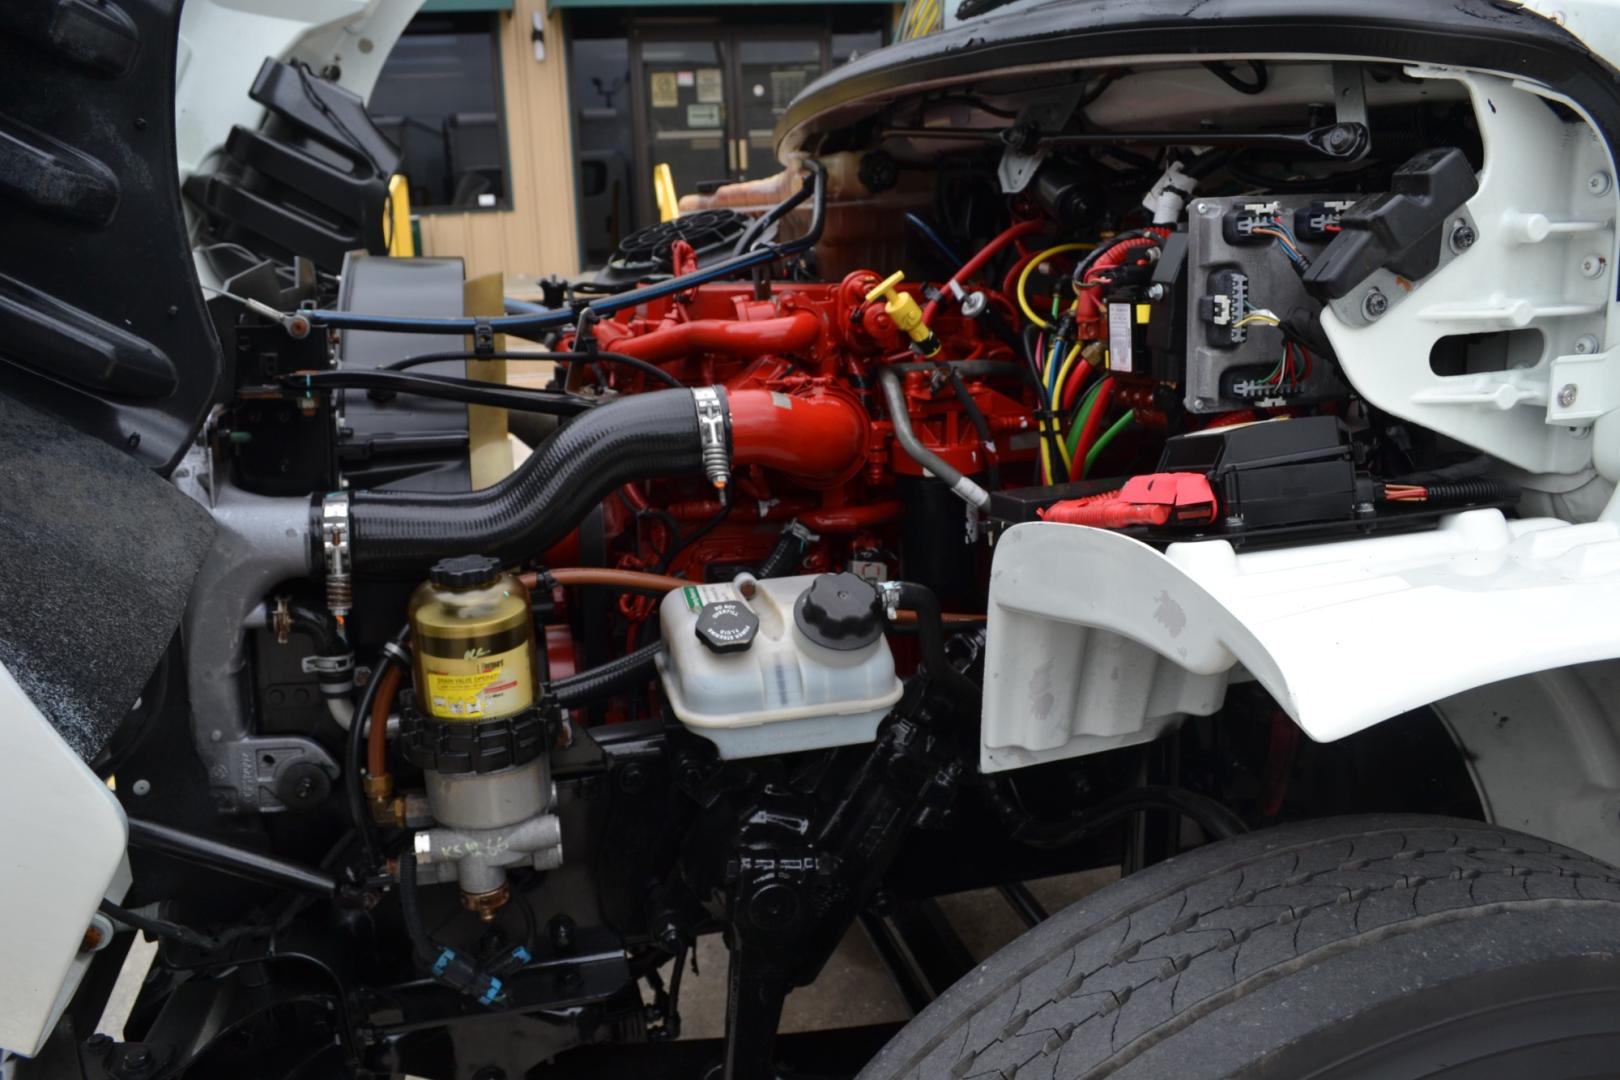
(439, 99)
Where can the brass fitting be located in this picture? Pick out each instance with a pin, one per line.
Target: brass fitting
(486, 904)
(380, 794)
(903, 309)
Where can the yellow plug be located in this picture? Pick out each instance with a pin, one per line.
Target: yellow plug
(903, 309)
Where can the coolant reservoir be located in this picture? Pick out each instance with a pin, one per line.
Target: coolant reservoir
(780, 665)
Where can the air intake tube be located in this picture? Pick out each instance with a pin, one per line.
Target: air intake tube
(663, 433)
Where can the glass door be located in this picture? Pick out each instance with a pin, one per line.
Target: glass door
(682, 101)
(770, 72)
(708, 108)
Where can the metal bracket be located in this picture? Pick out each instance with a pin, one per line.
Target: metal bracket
(1350, 95)
(1018, 166)
(1383, 290)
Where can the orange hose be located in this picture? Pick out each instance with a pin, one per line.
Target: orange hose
(381, 706)
(592, 575)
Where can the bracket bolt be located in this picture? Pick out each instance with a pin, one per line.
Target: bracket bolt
(1567, 395)
(1374, 304)
(1462, 237)
(1599, 183)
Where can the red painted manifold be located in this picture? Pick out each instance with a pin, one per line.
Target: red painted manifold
(810, 441)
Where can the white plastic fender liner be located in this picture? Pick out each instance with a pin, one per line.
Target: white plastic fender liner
(62, 837)
(1097, 641)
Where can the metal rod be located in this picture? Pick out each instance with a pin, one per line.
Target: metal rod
(239, 862)
(1022, 901)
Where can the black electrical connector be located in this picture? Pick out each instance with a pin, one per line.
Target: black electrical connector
(1401, 230)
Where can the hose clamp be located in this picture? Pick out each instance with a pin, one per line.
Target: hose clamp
(712, 436)
(335, 548)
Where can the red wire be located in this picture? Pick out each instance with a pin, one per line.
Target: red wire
(1077, 378)
(977, 263)
(1093, 428)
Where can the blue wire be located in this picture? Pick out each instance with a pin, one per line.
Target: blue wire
(934, 238)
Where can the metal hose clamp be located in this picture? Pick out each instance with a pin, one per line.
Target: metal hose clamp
(712, 436)
(335, 533)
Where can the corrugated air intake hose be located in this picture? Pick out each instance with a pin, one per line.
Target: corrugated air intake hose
(646, 435)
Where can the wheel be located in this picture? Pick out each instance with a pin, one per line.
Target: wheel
(1389, 946)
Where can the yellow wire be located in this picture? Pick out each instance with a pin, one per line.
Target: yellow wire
(1253, 317)
(1029, 267)
(1063, 376)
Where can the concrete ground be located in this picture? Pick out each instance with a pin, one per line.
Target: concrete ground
(854, 988)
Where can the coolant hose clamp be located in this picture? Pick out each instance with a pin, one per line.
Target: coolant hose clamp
(713, 436)
(336, 552)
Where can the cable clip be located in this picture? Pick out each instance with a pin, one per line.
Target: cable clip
(483, 338)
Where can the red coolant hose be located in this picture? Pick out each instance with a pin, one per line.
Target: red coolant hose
(978, 262)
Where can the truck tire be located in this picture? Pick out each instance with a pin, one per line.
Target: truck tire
(1389, 946)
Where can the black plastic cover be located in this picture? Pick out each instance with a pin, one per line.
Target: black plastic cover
(1400, 230)
(1278, 472)
(104, 323)
(465, 572)
(727, 626)
(840, 611)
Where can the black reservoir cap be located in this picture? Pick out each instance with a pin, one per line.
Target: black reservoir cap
(465, 572)
(728, 626)
(840, 611)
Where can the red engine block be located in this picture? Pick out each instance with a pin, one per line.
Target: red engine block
(811, 439)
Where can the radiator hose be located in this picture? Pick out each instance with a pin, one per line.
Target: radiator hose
(645, 435)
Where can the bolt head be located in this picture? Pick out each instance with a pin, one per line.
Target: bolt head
(1463, 237)
(1586, 344)
(1592, 265)
(1567, 394)
(1599, 183)
(141, 787)
(1155, 292)
(1374, 304)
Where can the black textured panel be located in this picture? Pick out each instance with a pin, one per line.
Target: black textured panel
(99, 557)
(105, 324)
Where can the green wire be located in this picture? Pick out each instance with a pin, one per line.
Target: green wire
(1105, 438)
(1079, 424)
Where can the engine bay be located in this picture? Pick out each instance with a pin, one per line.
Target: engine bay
(494, 695)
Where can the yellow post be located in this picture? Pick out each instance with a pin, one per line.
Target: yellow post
(400, 242)
(664, 192)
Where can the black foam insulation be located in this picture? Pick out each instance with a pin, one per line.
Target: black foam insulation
(97, 557)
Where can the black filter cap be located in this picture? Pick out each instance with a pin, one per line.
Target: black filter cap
(465, 571)
(840, 611)
(727, 627)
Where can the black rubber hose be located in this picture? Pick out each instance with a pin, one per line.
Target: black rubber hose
(354, 757)
(632, 438)
(1213, 817)
(786, 554)
(318, 626)
(981, 427)
(228, 858)
(608, 679)
(446, 388)
(931, 637)
(411, 910)
(643, 366)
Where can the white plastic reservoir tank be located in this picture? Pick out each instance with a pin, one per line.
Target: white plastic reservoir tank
(780, 665)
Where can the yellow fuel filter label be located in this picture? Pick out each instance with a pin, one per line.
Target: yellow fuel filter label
(478, 687)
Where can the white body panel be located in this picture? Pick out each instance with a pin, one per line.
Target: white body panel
(61, 853)
(1096, 640)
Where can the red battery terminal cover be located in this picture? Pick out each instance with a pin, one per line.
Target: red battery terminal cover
(1155, 499)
